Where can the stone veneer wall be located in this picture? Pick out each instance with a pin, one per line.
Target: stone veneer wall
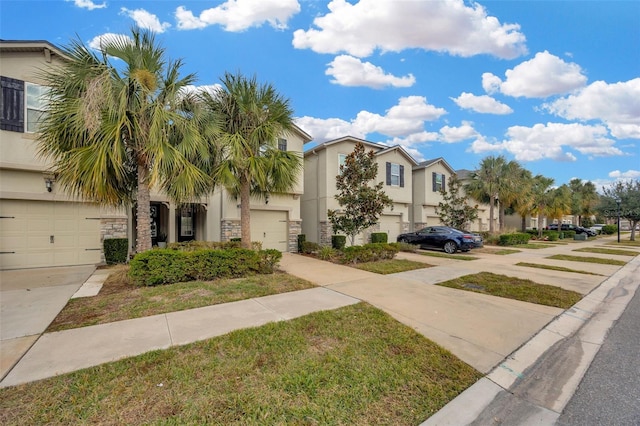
(295, 229)
(326, 231)
(111, 227)
(230, 229)
(419, 225)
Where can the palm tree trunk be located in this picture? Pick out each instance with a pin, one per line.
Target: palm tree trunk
(501, 216)
(523, 223)
(539, 225)
(143, 211)
(492, 202)
(245, 213)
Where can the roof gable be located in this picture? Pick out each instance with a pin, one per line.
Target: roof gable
(429, 163)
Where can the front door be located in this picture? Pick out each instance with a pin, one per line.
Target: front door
(187, 223)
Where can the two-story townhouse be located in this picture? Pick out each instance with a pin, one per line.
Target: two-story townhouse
(39, 224)
(429, 178)
(322, 165)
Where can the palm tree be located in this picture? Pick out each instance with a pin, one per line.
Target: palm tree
(253, 115)
(485, 183)
(510, 187)
(584, 198)
(558, 203)
(540, 198)
(119, 123)
(523, 203)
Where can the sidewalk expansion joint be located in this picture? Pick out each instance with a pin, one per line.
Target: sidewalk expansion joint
(166, 321)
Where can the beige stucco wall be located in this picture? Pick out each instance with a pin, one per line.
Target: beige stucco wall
(425, 200)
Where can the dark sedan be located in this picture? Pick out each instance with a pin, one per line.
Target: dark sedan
(444, 237)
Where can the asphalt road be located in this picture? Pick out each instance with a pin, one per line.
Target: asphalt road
(609, 393)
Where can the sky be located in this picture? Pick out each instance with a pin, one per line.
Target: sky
(554, 85)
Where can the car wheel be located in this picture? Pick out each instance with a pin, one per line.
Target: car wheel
(450, 247)
(402, 240)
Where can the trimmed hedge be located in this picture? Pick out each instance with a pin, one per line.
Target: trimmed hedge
(609, 229)
(201, 245)
(569, 234)
(514, 239)
(309, 247)
(116, 250)
(301, 239)
(166, 266)
(338, 241)
(379, 237)
(369, 252)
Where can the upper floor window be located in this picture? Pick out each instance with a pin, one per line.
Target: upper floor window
(282, 144)
(342, 159)
(395, 174)
(36, 106)
(438, 182)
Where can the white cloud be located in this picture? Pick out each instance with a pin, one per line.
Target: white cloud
(239, 15)
(145, 19)
(98, 41)
(406, 119)
(211, 88)
(540, 77)
(349, 71)
(484, 104)
(550, 140)
(443, 26)
(629, 174)
(458, 134)
(481, 146)
(616, 104)
(88, 4)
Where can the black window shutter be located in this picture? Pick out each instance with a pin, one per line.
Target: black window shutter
(388, 173)
(444, 186)
(401, 176)
(433, 181)
(12, 104)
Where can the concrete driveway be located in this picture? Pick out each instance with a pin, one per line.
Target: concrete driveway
(481, 330)
(29, 300)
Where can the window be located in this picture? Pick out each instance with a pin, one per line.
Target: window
(282, 144)
(395, 174)
(438, 182)
(12, 105)
(36, 106)
(342, 158)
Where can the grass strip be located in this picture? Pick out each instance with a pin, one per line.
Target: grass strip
(602, 250)
(515, 288)
(624, 243)
(354, 365)
(535, 245)
(500, 252)
(587, 259)
(391, 266)
(555, 268)
(119, 299)
(448, 256)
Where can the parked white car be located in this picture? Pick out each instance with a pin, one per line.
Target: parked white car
(597, 228)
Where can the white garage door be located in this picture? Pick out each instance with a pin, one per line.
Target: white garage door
(45, 233)
(391, 225)
(271, 228)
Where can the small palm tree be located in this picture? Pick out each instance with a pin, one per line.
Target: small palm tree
(253, 115)
(120, 122)
(540, 189)
(485, 183)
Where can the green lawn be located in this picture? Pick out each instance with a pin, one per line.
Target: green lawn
(120, 299)
(534, 245)
(587, 259)
(555, 268)
(601, 250)
(498, 251)
(391, 266)
(354, 365)
(515, 288)
(448, 256)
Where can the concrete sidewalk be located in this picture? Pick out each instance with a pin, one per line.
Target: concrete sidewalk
(70, 350)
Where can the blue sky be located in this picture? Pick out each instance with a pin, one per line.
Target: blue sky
(552, 84)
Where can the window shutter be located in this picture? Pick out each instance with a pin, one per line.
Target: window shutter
(12, 105)
(388, 173)
(401, 176)
(433, 181)
(444, 186)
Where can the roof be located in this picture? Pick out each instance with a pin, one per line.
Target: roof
(378, 148)
(30, 46)
(428, 163)
(464, 174)
(305, 136)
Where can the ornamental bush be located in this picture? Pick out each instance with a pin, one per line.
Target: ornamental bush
(301, 239)
(369, 252)
(609, 229)
(116, 250)
(514, 239)
(379, 237)
(338, 241)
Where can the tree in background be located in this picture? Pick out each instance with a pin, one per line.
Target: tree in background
(454, 210)
(628, 192)
(558, 203)
(512, 185)
(523, 203)
(361, 201)
(253, 116)
(119, 123)
(584, 199)
(540, 188)
(485, 183)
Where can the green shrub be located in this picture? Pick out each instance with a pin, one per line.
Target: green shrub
(379, 237)
(569, 234)
(166, 266)
(551, 235)
(309, 247)
(514, 239)
(236, 240)
(328, 253)
(609, 229)
(406, 247)
(116, 250)
(491, 239)
(301, 239)
(369, 252)
(200, 245)
(338, 241)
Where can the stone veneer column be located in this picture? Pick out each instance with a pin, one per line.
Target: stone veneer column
(295, 229)
(112, 227)
(230, 229)
(326, 230)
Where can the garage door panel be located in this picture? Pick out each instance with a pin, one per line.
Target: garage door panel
(390, 225)
(270, 228)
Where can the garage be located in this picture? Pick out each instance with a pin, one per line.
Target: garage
(391, 225)
(270, 227)
(44, 233)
